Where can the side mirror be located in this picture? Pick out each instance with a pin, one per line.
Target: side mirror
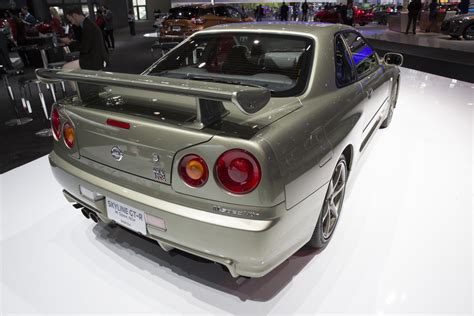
(393, 59)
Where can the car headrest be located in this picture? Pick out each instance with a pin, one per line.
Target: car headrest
(281, 60)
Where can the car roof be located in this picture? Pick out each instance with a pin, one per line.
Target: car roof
(314, 28)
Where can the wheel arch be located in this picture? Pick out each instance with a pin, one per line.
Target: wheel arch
(348, 153)
(464, 31)
(397, 82)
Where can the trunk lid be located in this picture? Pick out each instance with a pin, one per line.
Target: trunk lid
(146, 149)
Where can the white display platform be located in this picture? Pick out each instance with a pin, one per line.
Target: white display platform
(403, 244)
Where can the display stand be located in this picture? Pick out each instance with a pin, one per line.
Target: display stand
(46, 132)
(19, 120)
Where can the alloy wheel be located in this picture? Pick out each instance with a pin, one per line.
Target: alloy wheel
(335, 196)
(469, 32)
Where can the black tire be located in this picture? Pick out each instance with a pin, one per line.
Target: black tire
(320, 238)
(393, 104)
(468, 33)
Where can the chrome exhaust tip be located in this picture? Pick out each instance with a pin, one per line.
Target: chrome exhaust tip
(86, 213)
(94, 217)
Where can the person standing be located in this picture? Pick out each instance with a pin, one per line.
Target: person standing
(414, 9)
(100, 21)
(131, 22)
(295, 12)
(304, 9)
(463, 7)
(56, 26)
(433, 14)
(28, 17)
(284, 12)
(109, 27)
(92, 54)
(349, 18)
(259, 13)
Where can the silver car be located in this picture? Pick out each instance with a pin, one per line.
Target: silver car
(235, 146)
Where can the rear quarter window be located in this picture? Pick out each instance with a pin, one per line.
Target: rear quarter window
(343, 64)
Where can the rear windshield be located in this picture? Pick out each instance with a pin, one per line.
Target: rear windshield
(279, 63)
(184, 13)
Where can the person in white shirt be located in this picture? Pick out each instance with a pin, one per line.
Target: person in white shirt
(131, 22)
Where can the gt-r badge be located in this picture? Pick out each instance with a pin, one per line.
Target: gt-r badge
(117, 153)
(160, 174)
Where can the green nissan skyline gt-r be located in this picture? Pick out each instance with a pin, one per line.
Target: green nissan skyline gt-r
(235, 146)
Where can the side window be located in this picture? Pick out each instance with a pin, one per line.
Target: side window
(221, 11)
(364, 57)
(233, 13)
(342, 58)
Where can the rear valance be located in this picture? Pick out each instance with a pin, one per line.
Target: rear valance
(248, 100)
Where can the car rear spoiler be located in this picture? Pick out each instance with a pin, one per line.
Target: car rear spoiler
(248, 100)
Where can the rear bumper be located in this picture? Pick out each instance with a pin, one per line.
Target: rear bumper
(246, 247)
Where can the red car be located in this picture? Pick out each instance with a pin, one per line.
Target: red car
(330, 15)
(363, 16)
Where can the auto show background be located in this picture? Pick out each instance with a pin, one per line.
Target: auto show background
(427, 155)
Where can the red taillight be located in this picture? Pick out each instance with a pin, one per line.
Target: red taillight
(238, 171)
(69, 135)
(56, 124)
(193, 170)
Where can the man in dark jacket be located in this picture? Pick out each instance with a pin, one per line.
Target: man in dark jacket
(109, 25)
(414, 9)
(463, 7)
(433, 15)
(284, 12)
(92, 49)
(304, 9)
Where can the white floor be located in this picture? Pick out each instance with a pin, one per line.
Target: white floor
(404, 243)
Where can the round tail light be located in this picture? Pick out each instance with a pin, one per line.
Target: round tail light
(69, 135)
(193, 170)
(238, 171)
(56, 124)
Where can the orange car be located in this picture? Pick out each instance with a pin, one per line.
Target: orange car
(184, 21)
